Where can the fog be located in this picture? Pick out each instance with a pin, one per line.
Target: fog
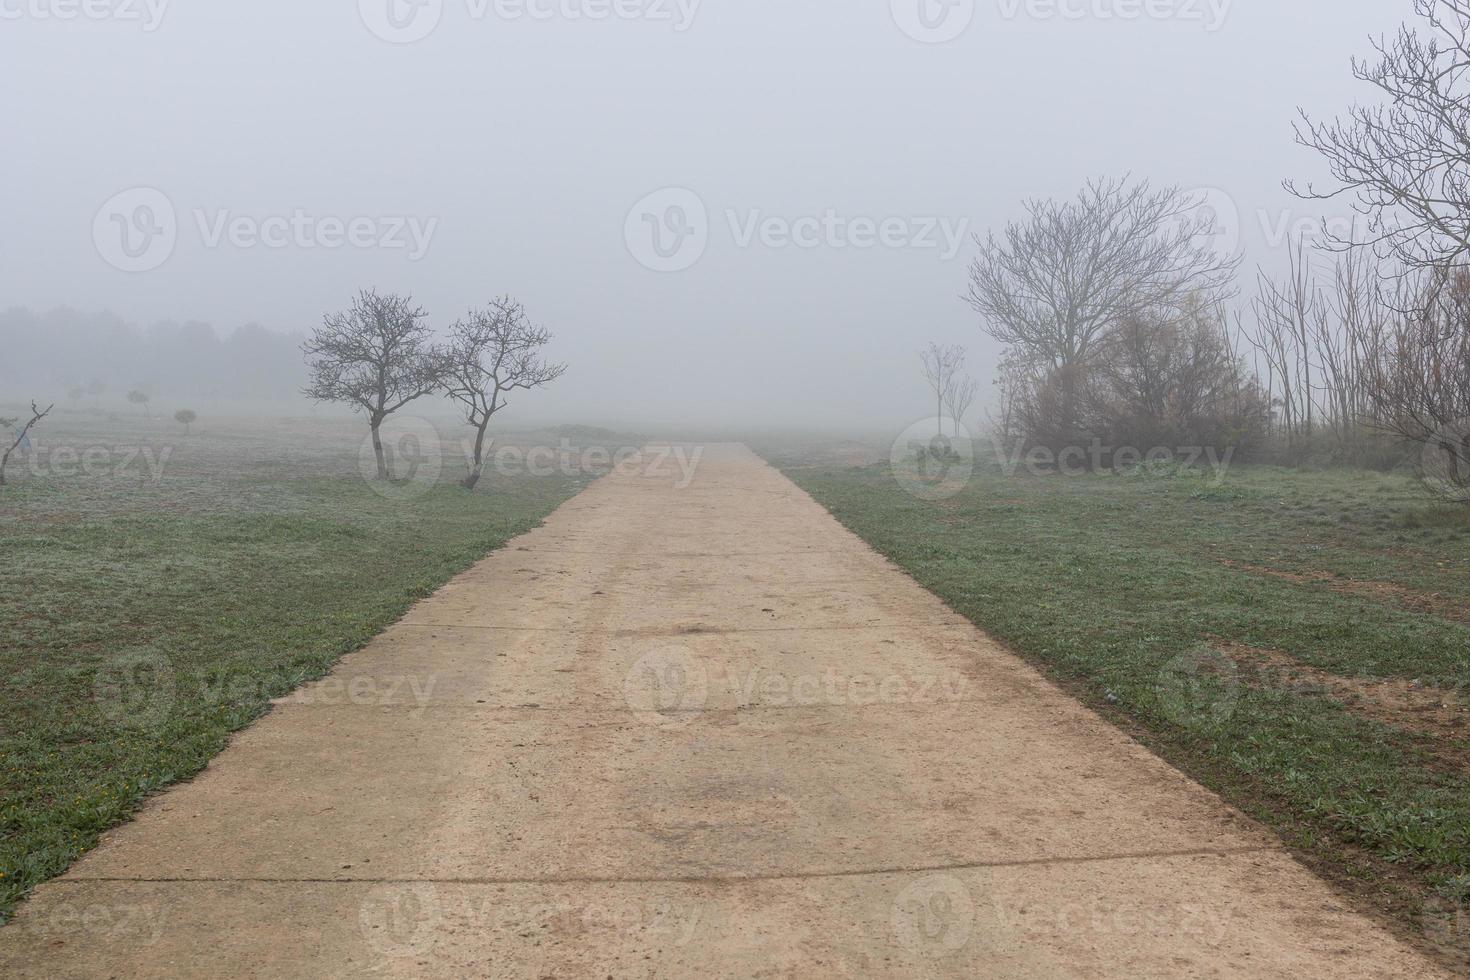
(516, 148)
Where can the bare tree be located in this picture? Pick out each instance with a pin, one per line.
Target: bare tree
(941, 366)
(1417, 383)
(376, 356)
(186, 417)
(493, 352)
(1053, 286)
(22, 434)
(1406, 163)
(140, 397)
(960, 395)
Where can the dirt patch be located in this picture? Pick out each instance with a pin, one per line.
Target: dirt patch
(1407, 704)
(1438, 604)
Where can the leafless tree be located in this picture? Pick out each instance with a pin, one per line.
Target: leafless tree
(22, 434)
(960, 395)
(140, 397)
(1406, 163)
(376, 356)
(493, 352)
(942, 365)
(1054, 284)
(1417, 381)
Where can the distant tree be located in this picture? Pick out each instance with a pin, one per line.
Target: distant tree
(493, 352)
(76, 393)
(941, 366)
(95, 388)
(1406, 163)
(1417, 379)
(959, 396)
(140, 397)
(376, 356)
(186, 417)
(22, 434)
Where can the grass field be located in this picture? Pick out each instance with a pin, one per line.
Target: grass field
(1299, 641)
(158, 589)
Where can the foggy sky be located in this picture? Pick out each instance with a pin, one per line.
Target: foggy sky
(523, 142)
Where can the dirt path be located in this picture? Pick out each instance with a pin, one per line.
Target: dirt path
(698, 731)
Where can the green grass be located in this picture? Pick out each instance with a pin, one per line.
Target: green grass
(1115, 584)
(143, 617)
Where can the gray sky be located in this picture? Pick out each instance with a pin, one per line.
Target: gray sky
(517, 146)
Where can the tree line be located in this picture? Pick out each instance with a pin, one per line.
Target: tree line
(1112, 307)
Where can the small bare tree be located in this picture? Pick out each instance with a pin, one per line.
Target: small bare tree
(376, 356)
(960, 395)
(941, 366)
(22, 434)
(493, 352)
(1406, 163)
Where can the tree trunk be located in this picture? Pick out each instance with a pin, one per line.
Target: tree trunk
(378, 450)
(471, 481)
